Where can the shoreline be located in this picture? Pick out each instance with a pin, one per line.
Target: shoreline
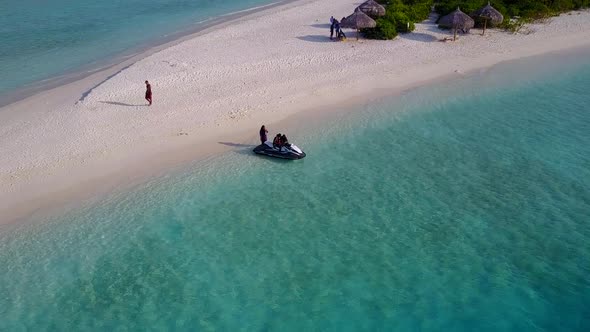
(51, 172)
(113, 64)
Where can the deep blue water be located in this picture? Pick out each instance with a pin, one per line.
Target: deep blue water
(44, 39)
(462, 206)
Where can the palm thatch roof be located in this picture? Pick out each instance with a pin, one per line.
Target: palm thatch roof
(358, 20)
(457, 20)
(372, 8)
(490, 14)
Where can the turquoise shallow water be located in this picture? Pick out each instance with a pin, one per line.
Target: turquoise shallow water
(45, 39)
(457, 207)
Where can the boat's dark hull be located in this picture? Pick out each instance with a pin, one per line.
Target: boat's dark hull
(264, 149)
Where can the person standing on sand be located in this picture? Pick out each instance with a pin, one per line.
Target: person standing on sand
(148, 92)
(337, 27)
(263, 132)
(331, 27)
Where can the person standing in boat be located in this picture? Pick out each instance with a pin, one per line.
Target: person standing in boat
(263, 132)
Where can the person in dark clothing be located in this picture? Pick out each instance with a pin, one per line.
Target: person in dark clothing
(284, 141)
(332, 29)
(263, 132)
(148, 92)
(336, 27)
(276, 142)
(341, 35)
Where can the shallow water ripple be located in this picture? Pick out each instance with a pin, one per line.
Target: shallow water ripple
(430, 216)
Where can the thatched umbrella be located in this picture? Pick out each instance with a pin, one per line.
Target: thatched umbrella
(457, 20)
(358, 20)
(372, 8)
(488, 13)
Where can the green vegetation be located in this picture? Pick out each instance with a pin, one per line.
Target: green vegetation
(385, 29)
(402, 14)
(529, 9)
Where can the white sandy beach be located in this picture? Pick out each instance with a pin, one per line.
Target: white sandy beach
(221, 85)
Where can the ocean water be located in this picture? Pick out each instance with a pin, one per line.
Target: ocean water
(463, 206)
(45, 39)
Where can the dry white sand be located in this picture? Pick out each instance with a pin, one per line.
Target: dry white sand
(221, 84)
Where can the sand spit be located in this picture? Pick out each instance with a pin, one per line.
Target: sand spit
(221, 85)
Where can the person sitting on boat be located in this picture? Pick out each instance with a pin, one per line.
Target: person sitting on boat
(276, 142)
(284, 141)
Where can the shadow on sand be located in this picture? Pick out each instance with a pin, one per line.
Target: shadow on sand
(417, 36)
(120, 104)
(321, 26)
(316, 38)
(238, 145)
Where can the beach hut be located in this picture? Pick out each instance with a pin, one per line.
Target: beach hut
(456, 20)
(488, 13)
(358, 20)
(372, 8)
